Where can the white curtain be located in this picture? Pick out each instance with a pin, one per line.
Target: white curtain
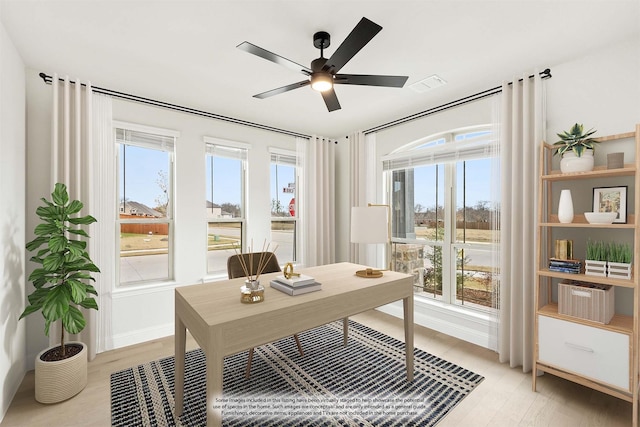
(362, 189)
(317, 200)
(521, 131)
(81, 125)
(103, 239)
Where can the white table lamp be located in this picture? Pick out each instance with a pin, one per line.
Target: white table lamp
(370, 224)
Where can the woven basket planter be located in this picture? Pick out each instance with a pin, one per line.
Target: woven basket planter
(62, 379)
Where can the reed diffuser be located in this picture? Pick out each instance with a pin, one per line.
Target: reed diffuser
(252, 291)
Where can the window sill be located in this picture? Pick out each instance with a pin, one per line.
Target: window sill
(144, 288)
(459, 322)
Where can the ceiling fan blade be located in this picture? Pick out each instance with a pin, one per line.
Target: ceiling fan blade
(362, 34)
(370, 80)
(270, 56)
(282, 89)
(331, 100)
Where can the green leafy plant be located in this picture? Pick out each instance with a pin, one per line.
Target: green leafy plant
(61, 281)
(576, 140)
(620, 252)
(597, 251)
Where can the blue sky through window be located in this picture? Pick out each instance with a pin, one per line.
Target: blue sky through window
(140, 169)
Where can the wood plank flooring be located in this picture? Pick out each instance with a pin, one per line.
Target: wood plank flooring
(504, 398)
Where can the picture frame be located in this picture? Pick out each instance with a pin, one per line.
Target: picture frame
(611, 199)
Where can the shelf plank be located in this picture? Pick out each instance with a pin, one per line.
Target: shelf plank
(615, 137)
(619, 323)
(587, 382)
(545, 272)
(580, 221)
(629, 169)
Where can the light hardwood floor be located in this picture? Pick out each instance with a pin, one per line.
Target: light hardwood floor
(504, 398)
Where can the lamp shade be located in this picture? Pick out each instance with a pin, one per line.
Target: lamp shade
(369, 224)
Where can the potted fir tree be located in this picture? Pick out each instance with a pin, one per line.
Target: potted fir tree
(576, 148)
(61, 287)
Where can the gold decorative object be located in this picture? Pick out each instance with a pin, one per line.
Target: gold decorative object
(564, 249)
(369, 273)
(252, 291)
(288, 271)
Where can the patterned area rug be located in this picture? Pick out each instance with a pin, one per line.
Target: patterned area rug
(363, 384)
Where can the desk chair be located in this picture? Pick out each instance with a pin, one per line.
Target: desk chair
(235, 270)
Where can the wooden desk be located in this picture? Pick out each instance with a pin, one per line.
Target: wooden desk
(222, 325)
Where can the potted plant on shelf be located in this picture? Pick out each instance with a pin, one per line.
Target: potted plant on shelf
(61, 287)
(576, 148)
(619, 265)
(595, 263)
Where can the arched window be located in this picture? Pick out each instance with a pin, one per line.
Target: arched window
(444, 196)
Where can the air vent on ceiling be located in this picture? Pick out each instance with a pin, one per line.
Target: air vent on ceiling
(427, 84)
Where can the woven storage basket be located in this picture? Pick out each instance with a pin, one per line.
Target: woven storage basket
(586, 301)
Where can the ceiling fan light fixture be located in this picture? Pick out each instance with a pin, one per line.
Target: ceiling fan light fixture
(321, 82)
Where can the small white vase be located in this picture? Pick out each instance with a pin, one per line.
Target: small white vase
(565, 207)
(572, 163)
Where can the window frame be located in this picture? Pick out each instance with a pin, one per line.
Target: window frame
(294, 162)
(210, 143)
(422, 153)
(170, 219)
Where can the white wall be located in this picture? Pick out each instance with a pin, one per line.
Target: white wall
(601, 90)
(143, 313)
(12, 220)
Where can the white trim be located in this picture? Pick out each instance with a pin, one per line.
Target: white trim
(467, 325)
(143, 288)
(147, 129)
(142, 335)
(226, 142)
(282, 151)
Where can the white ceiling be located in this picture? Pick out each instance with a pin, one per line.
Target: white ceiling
(184, 52)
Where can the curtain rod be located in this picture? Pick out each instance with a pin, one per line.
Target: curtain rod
(485, 93)
(48, 80)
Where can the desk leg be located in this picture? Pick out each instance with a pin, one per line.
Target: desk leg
(407, 304)
(179, 350)
(215, 366)
(345, 330)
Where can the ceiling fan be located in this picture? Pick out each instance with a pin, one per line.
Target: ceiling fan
(323, 72)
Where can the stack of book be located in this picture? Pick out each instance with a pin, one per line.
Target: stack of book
(297, 285)
(573, 266)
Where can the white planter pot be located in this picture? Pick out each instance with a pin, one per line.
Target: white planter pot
(595, 268)
(62, 379)
(572, 163)
(619, 270)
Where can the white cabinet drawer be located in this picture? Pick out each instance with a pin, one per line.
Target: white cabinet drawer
(592, 352)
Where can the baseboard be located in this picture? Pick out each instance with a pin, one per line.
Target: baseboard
(12, 381)
(142, 335)
(459, 323)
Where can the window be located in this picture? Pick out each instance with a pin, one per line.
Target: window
(225, 201)
(283, 204)
(444, 196)
(144, 204)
